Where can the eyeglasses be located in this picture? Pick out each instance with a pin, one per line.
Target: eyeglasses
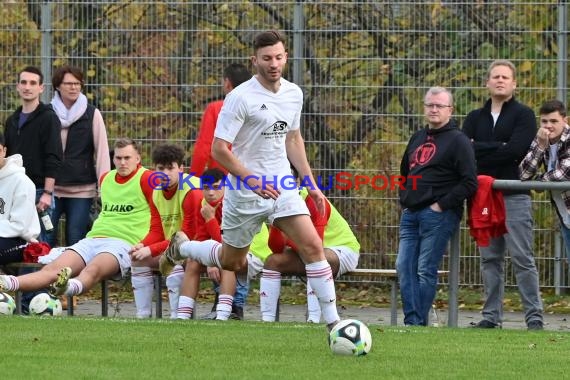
(71, 84)
(438, 106)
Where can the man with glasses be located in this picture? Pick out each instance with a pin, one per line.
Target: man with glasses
(441, 159)
(501, 132)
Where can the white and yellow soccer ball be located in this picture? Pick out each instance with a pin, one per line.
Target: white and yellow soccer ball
(44, 304)
(350, 337)
(7, 304)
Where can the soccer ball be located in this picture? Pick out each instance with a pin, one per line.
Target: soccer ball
(350, 337)
(7, 304)
(44, 304)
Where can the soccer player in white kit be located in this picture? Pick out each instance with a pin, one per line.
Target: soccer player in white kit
(260, 120)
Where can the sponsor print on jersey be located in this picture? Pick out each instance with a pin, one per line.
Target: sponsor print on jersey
(275, 131)
(118, 208)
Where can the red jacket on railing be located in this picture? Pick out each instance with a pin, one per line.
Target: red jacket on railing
(486, 218)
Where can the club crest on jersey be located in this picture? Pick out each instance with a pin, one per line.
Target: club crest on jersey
(423, 154)
(276, 130)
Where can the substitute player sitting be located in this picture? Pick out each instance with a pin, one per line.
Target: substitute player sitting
(176, 203)
(341, 251)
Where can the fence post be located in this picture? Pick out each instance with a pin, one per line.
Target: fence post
(453, 279)
(46, 59)
(557, 263)
(298, 43)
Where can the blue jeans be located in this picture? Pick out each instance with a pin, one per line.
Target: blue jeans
(424, 235)
(77, 219)
(242, 289)
(45, 236)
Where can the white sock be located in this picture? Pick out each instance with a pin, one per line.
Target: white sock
(143, 286)
(185, 307)
(269, 291)
(320, 278)
(224, 307)
(173, 282)
(74, 287)
(313, 307)
(205, 252)
(9, 283)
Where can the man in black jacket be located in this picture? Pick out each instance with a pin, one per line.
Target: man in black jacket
(501, 132)
(34, 132)
(442, 161)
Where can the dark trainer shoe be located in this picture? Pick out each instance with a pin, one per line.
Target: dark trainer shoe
(484, 324)
(535, 325)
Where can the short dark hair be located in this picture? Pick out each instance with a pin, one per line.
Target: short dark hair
(166, 154)
(268, 38)
(57, 77)
(553, 105)
(211, 176)
(237, 73)
(33, 70)
(2, 139)
(123, 142)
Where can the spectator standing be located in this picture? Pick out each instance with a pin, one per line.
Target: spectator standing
(501, 133)
(234, 75)
(442, 162)
(33, 131)
(550, 150)
(85, 154)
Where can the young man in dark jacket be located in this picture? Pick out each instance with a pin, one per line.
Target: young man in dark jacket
(501, 132)
(34, 132)
(441, 160)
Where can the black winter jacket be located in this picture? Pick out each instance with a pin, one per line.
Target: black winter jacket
(38, 141)
(499, 149)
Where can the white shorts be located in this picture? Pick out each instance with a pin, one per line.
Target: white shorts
(254, 266)
(347, 258)
(241, 220)
(88, 248)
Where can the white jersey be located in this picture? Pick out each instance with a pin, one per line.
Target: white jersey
(255, 121)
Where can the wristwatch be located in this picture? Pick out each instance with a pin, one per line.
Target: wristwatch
(48, 192)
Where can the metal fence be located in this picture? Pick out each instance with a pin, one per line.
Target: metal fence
(364, 66)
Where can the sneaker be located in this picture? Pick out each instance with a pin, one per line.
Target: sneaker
(535, 325)
(484, 324)
(237, 313)
(171, 256)
(58, 287)
(330, 326)
(4, 283)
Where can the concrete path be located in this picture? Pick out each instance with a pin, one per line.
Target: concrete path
(369, 315)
